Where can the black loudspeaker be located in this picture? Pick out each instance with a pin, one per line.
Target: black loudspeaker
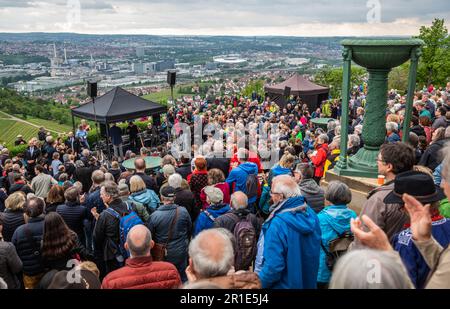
(287, 91)
(92, 89)
(156, 120)
(171, 77)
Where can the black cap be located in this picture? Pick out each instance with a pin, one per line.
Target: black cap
(417, 184)
(168, 192)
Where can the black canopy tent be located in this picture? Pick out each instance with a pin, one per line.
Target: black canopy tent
(114, 106)
(309, 92)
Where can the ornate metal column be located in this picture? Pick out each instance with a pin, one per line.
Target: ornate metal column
(415, 55)
(347, 55)
(378, 57)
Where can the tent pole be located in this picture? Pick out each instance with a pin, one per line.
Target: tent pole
(108, 150)
(73, 123)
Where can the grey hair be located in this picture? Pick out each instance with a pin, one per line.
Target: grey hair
(384, 268)
(358, 128)
(323, 137)
(175, 180)
(286, 185)
(391, 126)
(201, 285)
(109, 177)
(112, 189)
(337, 130)
(338, 193)
(354, 139)
(331, 125)
(203, 260)
(234, 200)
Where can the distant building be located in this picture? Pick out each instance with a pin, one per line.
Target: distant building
(140, 68)
(164, 65)
(140, 52)
(210, 66)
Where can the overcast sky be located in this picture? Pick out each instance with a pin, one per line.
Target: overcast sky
(223, 17)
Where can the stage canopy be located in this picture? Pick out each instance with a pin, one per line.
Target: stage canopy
(118, 105)
(309, 92)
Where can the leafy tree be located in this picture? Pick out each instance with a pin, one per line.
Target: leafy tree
(254, 86)
(332, 77)
(398, 78)
(434, 65)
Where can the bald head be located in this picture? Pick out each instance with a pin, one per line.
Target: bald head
(239, 200)
(211, 253)
(139, 164)
(139, 241)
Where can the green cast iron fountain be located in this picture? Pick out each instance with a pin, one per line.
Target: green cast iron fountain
(378, 57)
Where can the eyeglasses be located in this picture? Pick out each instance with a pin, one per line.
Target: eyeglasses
(380, 160)
(272, 193)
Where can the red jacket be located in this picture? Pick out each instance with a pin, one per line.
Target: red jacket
(143, 273)
(319, 159)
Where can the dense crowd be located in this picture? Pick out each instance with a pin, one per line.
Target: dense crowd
(224, 213)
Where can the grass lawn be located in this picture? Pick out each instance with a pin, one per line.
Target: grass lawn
(50, 125)
(164, 95)
(9, 129)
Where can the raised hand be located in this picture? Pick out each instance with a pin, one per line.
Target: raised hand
(375, 238)
(420, 218)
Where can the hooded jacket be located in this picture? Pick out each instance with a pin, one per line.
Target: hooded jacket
(204, 221)
(147, 198)
(289, 247)
(239, 176)
(314, 195)
(334, 221)
(278, 170)
(319, 159)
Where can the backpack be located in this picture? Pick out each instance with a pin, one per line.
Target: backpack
(337, 247)
(252, 186)
(126, 222)
(246, 239)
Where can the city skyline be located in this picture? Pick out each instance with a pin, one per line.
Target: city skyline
(201, 17)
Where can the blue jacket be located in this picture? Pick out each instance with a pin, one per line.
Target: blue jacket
(239, 176)
(437, 175)
(146, 197)
(27, 239)
(94, 200)
(418, 269)
(278, 170)
(308, 144)
(289, 246)
(333, 220)
(393, 138)
(204, 222)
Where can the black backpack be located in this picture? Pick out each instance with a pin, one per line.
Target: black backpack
(337, 247)
(252, 186)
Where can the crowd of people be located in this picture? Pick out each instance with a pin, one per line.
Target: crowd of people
(223, 215)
